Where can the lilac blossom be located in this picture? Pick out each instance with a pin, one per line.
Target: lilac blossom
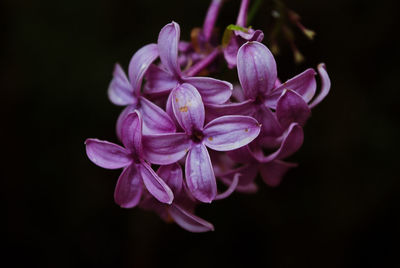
(177, 120)
(240, 35)
(126, 92)
(258, 77)
(221, 134)
(271, 167)
(182, 209)
(162, 79)
(136, 171)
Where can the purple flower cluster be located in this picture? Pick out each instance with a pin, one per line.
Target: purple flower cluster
(197, 130)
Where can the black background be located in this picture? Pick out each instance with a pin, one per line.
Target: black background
(339, 208)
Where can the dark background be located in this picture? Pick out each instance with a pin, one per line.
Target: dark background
(339, 208)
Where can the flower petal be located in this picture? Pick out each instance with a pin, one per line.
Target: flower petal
(129, 187)
(106, 154)
(159, 81)
(269, 123)
(128, 109)
(303, 84)
(172, 175)
(241, 155)
(273, 172)
(246, 180)
(131, 133)
(211, 90)
(165, 149)
(200, 177)
(188, 221)
(155, 185)
(325, 85)
(256, 69)
(168, 41)
(246, 107)
(188, 108)
(149, 203)
(291, 108)
(230, 132)
(120, 91)
(251, 35)
(230, 189)
(291, 142)
(155, 119)
(139, 64)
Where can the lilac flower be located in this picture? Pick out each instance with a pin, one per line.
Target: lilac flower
(182, 208)
(258, 77)
(241, 35)
(271, 167)
(222, 134)
(130, 157)
(163, 79)
(123, 91)
(193, 122)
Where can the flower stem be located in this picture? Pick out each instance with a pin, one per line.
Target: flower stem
(242, 17)
(211, 17)
(198, 67)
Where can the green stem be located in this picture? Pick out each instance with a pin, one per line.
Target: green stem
(253, 10)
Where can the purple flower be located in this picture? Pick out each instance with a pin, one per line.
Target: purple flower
(240, 35)
(221, 134)
(258, 78)
(271, 167)
(130, 157)
(123, 91)
(162, 79)
(182, 209)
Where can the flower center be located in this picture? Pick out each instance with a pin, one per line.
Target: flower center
(197, 136)
(259, 100)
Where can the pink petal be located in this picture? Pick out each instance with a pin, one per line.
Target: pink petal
(303, 84)
(291, 108)
(230, 132)
(230, 189)
(241, 155)
(188, 108)
(256, 69)
(168, 41)
(155, 119)
(246, 107)
(159, 81)
(273, 172)
(128, 109)
(149, 203)
(251, 35)
(269, 123)
(200, 177)
(155, 185)
(188, 221)
(131, 133)
(291, 142)
(172, 175)
(120, 91)
(139, 64)
(246, 180)
(129, 187)
(210, 89)
(106, 154)
(165, 149)
(325, 85)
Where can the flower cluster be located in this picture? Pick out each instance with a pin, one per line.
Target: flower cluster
(197, 130)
